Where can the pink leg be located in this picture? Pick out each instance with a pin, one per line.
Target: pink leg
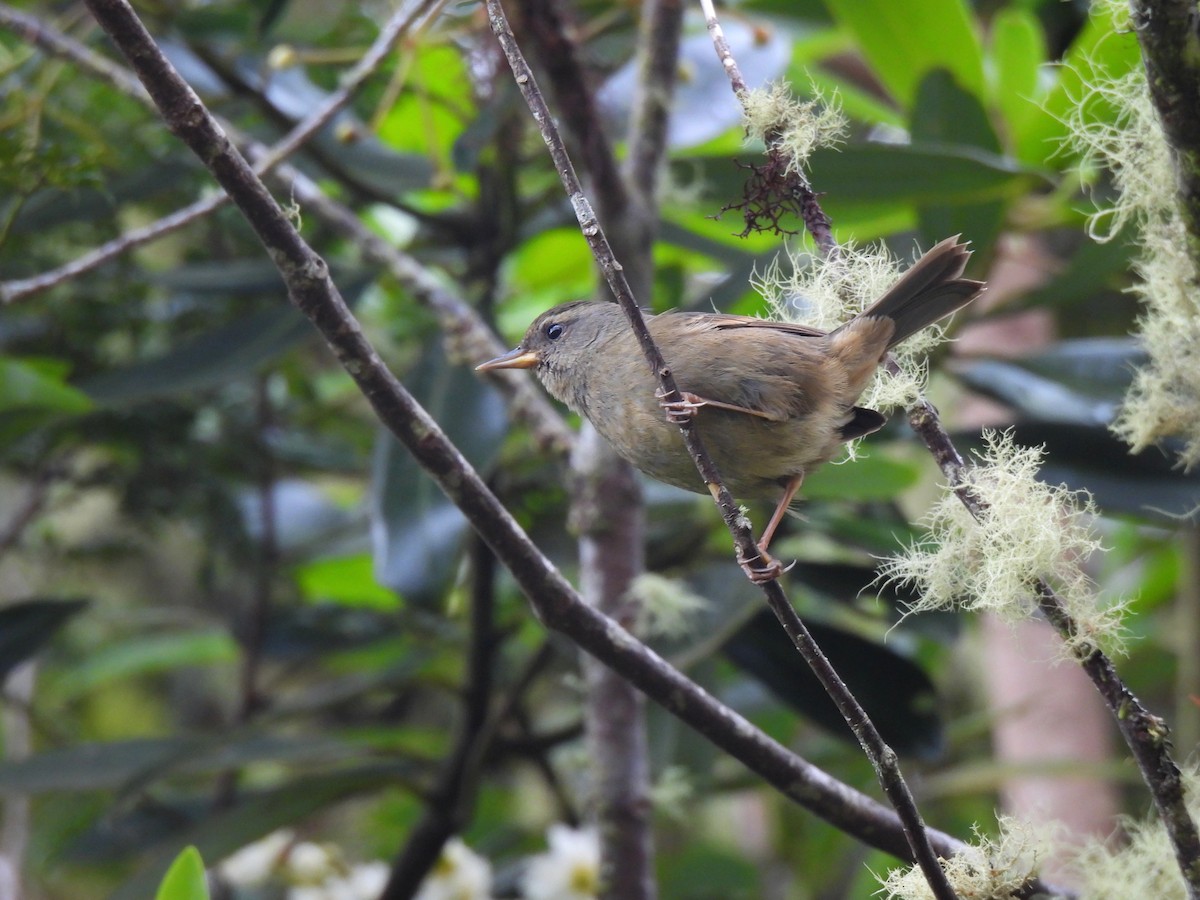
(767, 567)
(789, 493)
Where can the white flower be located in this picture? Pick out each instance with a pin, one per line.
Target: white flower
(569, 871)
(368, 879)
(363, 882)
(255, 863)
(459, 874)
(310, 864)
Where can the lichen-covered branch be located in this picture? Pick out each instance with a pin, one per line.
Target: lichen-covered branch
(1169, 34)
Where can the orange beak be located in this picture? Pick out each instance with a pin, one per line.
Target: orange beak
(513, 359)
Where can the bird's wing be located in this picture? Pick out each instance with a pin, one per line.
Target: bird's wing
(724, 321)
(724, 363)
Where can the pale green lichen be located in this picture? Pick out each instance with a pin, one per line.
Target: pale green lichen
(672, 793)
(991, 868)
(826, 292)
(793, 128)
(1145, 866)
(1163, 400)
(666, 606)
(1028, 530)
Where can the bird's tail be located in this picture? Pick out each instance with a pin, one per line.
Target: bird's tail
(931, 289)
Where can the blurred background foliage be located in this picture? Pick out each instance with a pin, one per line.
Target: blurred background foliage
(247, 606)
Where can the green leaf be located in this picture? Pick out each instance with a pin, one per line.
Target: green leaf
(51, 208)
(1094, 367)
(1097, 49)
(1094, 268)
(27, 384)
(415, 529)
(549, 268)
(426, 123)
(884, 176)
(145, 654)
(86, 767)
(1079, 381)
(347, 580)
(735, 264)
(1034, 395)
(209, 361)
(855, 102)
(919, 173)
(945, 113)
(895, 692)
(299, 633)
(903, 42)
(1018, 51)
(185, 879)
(708, 871)
(874, 476)
(117, 764)
(243, 277)
(26, 626)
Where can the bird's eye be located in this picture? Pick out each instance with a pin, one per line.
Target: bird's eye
(554, 331)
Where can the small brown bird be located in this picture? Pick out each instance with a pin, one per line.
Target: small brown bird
(773, 400)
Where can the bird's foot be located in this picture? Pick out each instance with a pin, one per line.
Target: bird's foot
(762, 568)
(683, 410)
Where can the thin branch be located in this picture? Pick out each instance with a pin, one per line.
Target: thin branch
(782, 179)
(396, 27)
(556, 603)
(622, 210)
(468, 335)
(253, 89)
(883, 758)
(1168, 35)
(1146, 734)
(23, 288)
(37, 495)
(607, 504)
(34, 31)
(53, 41)
(658, 68)
(448, 806)
(543, 21)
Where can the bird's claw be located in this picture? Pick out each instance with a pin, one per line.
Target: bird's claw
(682, 411)
(762, 568)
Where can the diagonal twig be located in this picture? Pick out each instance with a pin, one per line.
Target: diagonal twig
(606, 498)
(54, 41)
(1144, 733)
(882, 756)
